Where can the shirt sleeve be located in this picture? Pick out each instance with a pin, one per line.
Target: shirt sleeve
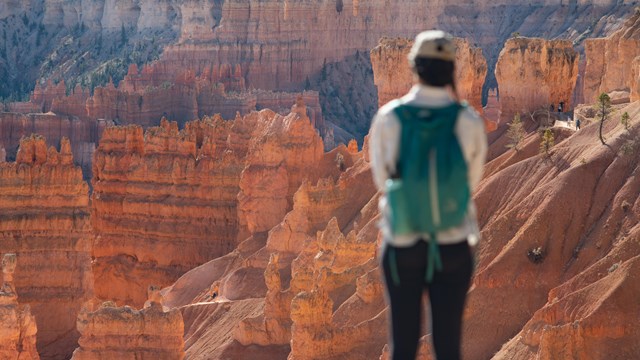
(383, 146)
(471, 132)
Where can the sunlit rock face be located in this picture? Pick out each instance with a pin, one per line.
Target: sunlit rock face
(534, 73)
(280, 292)
(559, 248)
(44, 204)
(168, 200)
(112, 332)
(164, 202)
(612, 62)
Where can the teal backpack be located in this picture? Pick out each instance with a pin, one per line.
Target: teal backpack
(429, 191)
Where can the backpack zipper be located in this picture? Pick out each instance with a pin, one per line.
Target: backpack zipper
(433, 187)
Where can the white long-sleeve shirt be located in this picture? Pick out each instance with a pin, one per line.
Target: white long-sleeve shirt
(383, 147)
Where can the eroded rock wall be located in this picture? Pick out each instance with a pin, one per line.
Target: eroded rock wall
(303, 296)
(18, 331)
(263, 45)
(294, 259)
(610, 62)
(164, 89)
(534, 73)
(44, 207)
(124, 333)
(148, 188)
(284, 152)
(83, 134)
(215, 183)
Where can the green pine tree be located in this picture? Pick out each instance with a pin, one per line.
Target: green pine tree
(547, 142)
(515, 133)
(625, 121)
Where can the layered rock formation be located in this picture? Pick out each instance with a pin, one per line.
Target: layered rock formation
(293, 260)
(88, 43)
(391, 71)
(325, 324)
(158, 90)
(393, 75)
(150, 186)
(82, 133)
(610, 62)
(285, 152)
(18, 332)
(357, 25)
(328, 256)
(587, 318)
(214, 183)
(45, 221)
(532, 74)
(260, 188)
(561, 283)
(124, 333)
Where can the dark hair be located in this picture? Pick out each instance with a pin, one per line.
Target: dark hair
(435, 72)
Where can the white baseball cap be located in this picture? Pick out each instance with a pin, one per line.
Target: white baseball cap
(433, 44)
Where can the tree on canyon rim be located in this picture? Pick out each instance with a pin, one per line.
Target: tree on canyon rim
(515, 133)
(604, 109)
(547, 142)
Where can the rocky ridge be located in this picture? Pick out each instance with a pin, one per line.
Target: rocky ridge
(612, 62)
(284, 281)
(546, 263)
(215, 183)
(83, 135)
(157, 91)
(301, 285)
(18, 334)
(110, 332)
(89, 43)
(45, 222)
(534, 74)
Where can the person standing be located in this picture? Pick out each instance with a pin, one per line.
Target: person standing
(427, 154)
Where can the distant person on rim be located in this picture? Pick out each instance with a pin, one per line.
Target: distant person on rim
(427, 153)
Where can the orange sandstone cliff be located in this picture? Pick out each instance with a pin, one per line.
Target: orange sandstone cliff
(611, 62)
(534, 73)
(215, 183)
(164, 202)
(283, 152)
(45, 221)
(257, 283)
(18, 332)
(562, 270)
(82, 133)
(159, 90)
(310, 287)
(112, 332)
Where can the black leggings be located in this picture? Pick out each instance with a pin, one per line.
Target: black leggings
(447, 294)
